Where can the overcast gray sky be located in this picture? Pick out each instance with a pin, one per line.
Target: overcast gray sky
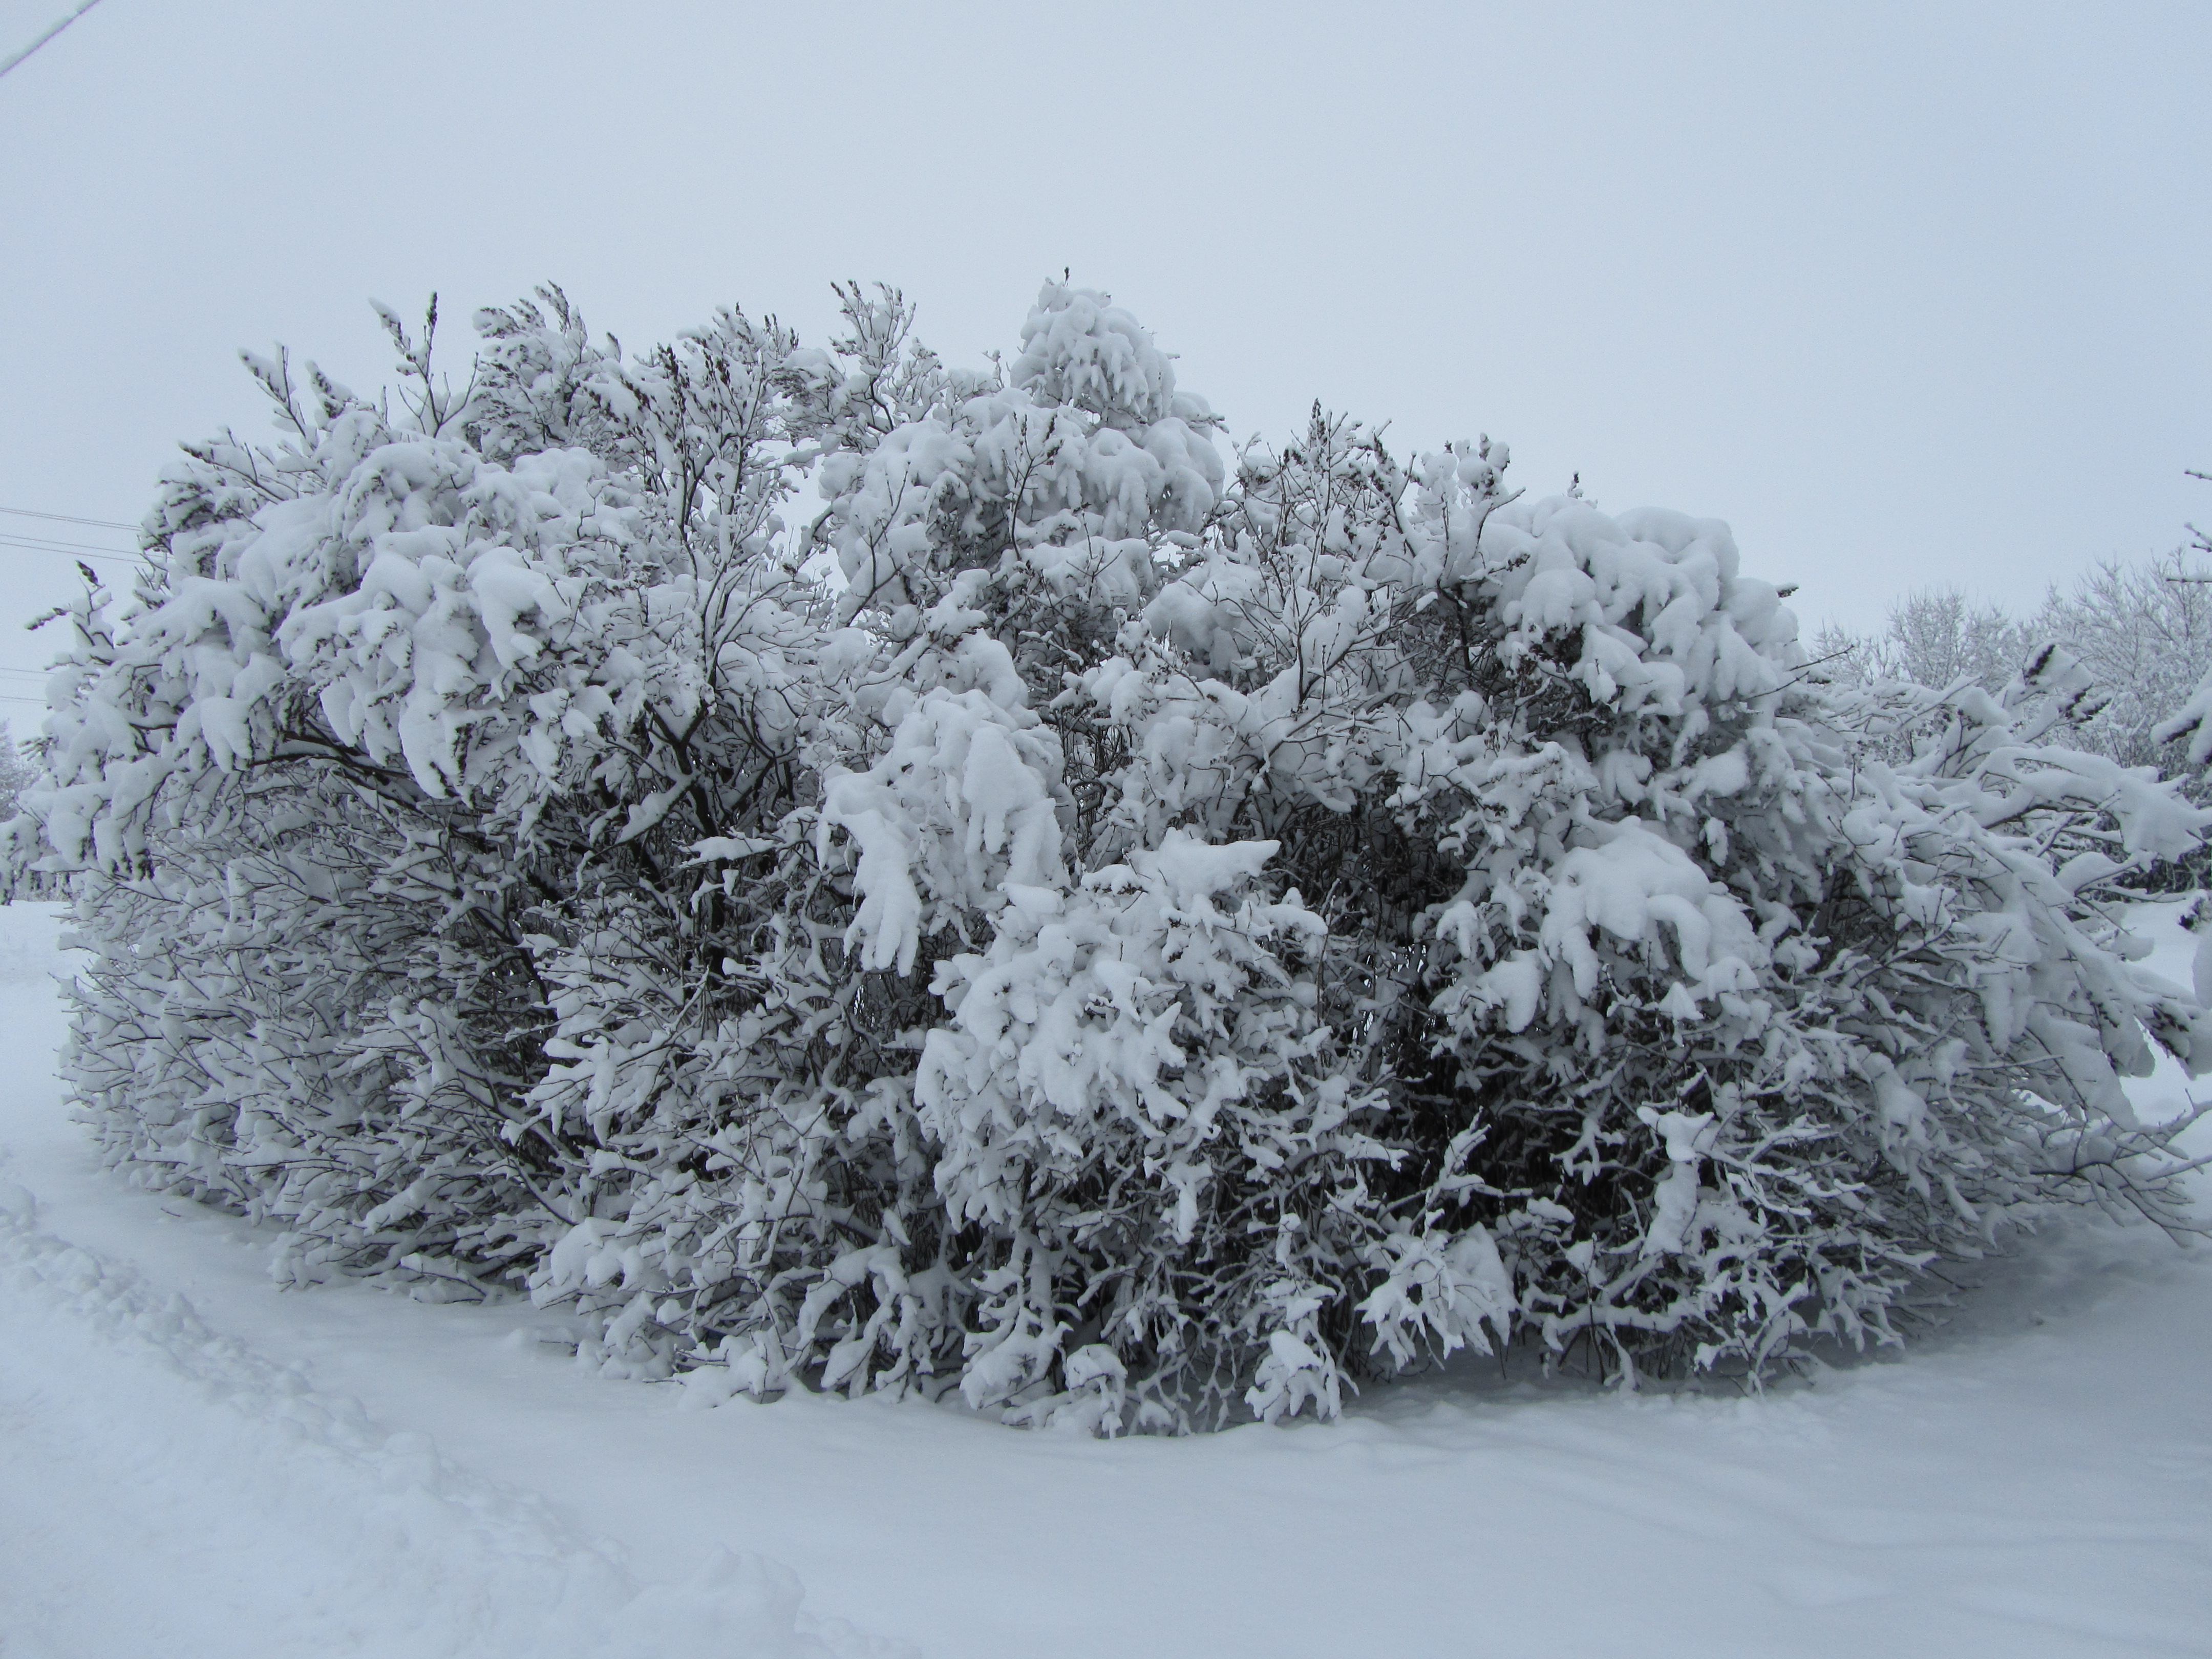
(1910, 294)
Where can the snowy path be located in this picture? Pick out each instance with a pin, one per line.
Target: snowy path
(196, 1480)
(166, 1481)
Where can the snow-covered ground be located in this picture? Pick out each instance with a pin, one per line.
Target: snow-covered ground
(194, 1462)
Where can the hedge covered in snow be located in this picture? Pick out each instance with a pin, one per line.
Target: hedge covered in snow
(1138, 934)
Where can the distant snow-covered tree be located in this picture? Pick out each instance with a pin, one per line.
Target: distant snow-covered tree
(17, 770)
(2144, 633)
(1936, 637)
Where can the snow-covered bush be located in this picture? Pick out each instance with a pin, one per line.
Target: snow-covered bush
(1147, 939)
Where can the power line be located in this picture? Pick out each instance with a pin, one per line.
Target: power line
(70, 550)
(66, 517)
(49, 545)
(83, 6)
(65, 551)
(97, 558)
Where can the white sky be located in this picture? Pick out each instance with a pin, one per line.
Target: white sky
(1910, 294)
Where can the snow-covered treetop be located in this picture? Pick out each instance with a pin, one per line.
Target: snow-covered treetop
(1080, 349)
(1075, 470)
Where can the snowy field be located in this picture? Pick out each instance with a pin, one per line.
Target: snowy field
(193, 1462)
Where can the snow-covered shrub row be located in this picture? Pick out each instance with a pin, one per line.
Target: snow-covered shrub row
(1145, 940)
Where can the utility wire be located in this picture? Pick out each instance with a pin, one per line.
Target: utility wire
(13, 543)
(10, 545)
(83, 6)
(65, 549)
(48, 545)
(65, 518)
